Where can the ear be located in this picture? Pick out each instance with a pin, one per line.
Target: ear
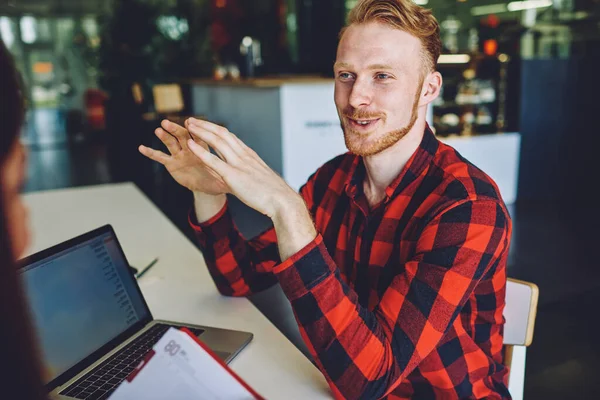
(432, 84)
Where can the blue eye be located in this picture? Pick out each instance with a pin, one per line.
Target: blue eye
(345, 75)
(382, 76)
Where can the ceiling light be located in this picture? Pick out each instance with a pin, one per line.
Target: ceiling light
(489, 9)
(454, 59)
(527, 5)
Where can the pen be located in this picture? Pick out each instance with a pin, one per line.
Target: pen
(145, 269)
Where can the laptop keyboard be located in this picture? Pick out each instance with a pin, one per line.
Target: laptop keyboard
(100, 382)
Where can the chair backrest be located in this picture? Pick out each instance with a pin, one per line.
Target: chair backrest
(520, 311)
(167, 98)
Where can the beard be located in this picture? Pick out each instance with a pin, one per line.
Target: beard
(358, 144)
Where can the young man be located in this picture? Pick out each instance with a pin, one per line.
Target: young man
(394, 255)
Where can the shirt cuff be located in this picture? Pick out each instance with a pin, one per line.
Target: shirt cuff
(306, 269)
(217, 226)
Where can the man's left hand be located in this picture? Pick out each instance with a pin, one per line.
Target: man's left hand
(246, 175)
(249, 178)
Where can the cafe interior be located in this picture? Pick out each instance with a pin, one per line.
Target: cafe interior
(518, 101)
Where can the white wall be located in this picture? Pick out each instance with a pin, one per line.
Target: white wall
(310, 129)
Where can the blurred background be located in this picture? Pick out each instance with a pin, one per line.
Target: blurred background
(520, 100)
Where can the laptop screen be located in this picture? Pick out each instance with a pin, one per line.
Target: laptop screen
(81, 298)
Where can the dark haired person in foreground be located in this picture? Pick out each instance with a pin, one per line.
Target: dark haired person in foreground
(19, 367)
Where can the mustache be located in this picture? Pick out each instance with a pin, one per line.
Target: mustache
(354, 113)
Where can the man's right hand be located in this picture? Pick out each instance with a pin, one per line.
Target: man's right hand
(182, 164)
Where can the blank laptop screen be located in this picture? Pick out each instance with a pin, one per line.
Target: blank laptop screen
(80, 299)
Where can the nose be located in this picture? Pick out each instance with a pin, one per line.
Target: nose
(361, 94)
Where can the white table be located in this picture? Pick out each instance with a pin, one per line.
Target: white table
(179, 286)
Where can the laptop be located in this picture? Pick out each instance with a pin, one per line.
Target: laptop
(93, 324)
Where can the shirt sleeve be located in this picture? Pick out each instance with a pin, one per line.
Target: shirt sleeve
(240, 267)
(237, 266)
(367, 354)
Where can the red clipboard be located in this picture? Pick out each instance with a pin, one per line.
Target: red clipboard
(222, 363)
(124, 394)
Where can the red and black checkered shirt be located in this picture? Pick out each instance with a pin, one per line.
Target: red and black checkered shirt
(403, 300)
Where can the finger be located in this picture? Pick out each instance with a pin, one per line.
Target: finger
(244, 149)
(155, 155)
(219, 131)
(213, 162)
(191, 136)
(168, 140)
(254, 155)
(221, 156)
(178, 132)
(235, 143)
(239, 141)
(221, 147)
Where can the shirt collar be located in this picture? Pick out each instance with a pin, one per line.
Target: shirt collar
(416, 165)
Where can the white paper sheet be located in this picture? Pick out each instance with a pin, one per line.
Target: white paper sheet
(181, 369)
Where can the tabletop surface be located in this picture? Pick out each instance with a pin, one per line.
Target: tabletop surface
(178, 287)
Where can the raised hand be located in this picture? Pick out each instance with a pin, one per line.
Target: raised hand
(182, 164)
(244, 173)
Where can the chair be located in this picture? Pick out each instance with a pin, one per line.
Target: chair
(168, 99)
(520, 311)
(169, 103)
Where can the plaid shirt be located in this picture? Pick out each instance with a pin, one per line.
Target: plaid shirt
(402, 300)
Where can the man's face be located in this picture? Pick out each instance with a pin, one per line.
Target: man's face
(378, 83)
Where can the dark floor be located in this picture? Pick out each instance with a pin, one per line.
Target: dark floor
(548, 248)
